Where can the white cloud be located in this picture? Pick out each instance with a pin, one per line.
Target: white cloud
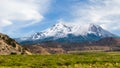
(22, 10)
(103, 12)
(5, 23)
(16, 14)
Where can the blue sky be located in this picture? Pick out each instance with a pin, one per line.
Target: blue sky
(19, 18)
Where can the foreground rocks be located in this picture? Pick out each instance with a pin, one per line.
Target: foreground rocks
(9, 46)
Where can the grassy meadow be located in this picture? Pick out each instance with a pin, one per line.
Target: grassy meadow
(80, 60)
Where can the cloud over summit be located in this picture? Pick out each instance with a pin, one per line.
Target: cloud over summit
(103, 12)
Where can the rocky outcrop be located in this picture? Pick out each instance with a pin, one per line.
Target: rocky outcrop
(9, 46)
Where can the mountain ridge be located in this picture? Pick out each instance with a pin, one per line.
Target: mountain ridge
(63, 32)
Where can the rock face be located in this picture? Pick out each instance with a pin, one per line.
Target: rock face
(10, 46)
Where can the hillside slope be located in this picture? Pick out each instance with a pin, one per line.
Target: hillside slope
(10, 46)
(105, 44)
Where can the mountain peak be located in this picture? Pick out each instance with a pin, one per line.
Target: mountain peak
(94, 25)
(60, 23)
(72, 32)
(60, 30)
(95, 28)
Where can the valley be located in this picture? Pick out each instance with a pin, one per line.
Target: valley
(91, 48)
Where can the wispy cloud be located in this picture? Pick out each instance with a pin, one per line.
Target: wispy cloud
(103, 12)
(21, 13)
(22, 10)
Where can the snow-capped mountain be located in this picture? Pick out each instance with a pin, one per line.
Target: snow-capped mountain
(63, 32)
